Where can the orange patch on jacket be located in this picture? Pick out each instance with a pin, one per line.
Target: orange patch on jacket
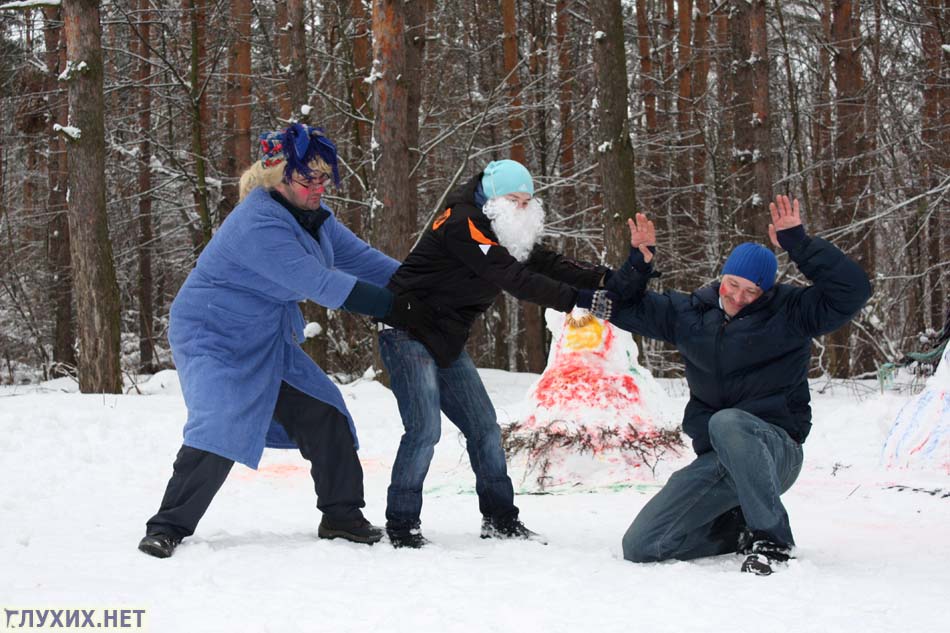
(477, 235)
(439, 221)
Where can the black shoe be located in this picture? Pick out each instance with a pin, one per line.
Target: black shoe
(744, 544)
(406, 537)
(765, 556)
(357, 530)
(510, 529)
(159, 545)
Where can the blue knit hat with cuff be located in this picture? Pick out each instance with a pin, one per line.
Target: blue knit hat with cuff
(753, 262)
(502, 177)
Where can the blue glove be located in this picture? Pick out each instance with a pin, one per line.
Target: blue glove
(601, 303)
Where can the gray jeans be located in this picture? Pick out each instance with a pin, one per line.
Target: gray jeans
(703, 507)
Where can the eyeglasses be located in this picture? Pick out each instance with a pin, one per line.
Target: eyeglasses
(320, 180)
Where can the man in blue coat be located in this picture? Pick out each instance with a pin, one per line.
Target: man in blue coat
(235, 331)
(746, 344)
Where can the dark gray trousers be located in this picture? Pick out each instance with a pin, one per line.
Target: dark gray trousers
(323, 436)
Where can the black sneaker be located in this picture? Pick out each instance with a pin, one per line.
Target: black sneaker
(407, 537)
(765, 556)
(510, 529)
(357, 530)
(159, 545)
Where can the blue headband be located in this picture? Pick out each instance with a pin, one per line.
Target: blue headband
(299, 145)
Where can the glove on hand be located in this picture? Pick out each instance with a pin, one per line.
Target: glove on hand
(601, 303)
(408, 313)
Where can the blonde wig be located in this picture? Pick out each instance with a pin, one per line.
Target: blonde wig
(269, 177)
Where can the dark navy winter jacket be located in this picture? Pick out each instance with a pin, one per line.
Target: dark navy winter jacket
(758, 360)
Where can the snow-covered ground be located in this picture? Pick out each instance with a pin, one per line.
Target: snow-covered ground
(82, 473)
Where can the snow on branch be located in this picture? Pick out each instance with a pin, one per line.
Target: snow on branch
(30, 4)
(72, 132)
(71, 69)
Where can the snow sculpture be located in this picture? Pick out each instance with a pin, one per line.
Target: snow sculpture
(920, 436)
(595, 415)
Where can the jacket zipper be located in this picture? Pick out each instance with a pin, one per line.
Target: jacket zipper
(719, 335)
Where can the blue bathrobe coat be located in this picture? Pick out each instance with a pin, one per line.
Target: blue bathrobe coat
(235, 328)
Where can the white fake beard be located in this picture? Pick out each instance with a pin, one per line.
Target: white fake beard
(518, 230)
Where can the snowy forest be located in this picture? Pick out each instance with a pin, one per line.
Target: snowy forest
(126, 124)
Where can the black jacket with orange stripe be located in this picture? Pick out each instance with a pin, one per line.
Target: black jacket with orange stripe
(458, 269)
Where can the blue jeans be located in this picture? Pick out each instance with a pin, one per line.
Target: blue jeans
(422, 389)
(703, 507)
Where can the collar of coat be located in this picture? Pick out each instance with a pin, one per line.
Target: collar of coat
(311, 221)
(465, 194)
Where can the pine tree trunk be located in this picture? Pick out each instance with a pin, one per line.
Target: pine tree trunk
(361, 132)
(145, 249)
(416, 15)
(699, 90)
(97, 293)
(723, 164)
(565, 80)
(761, 122)
(61, 284)
(850, 180)
(648, 90)
(614, 149)
(238, 157)
(821, 129)
(747, 221)
(199, 118)
(510, 46)
(282, 33)
(687, 207)
(298, 75)
(533, 342)
(395, 221)
(935, 129)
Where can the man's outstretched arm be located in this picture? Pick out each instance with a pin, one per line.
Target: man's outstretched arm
(840, 287)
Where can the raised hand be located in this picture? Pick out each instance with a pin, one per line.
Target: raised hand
(785, 215)
(642, 235)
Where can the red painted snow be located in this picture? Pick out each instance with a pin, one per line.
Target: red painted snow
(573, 383)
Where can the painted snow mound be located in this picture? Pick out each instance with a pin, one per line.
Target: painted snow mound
(920, 436)
(595, 415)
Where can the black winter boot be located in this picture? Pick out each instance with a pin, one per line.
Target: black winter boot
(744, 544)
(358, 530)
(765, 556)
(408, 537)
(159, 545)
(510, 528)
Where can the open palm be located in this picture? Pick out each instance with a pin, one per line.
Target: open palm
(785, 215)
(642, 235)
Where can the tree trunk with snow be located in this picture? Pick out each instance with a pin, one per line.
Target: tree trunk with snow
(761, 121)
(615, 155)
(297, 76)
(746, 224)
(61, 285)
(97, 293)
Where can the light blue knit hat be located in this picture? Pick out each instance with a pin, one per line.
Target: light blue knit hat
(502, 177)
(753, 262)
